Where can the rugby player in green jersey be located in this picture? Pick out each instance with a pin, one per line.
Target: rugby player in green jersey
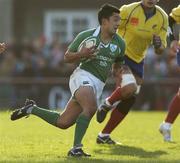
(97, 50)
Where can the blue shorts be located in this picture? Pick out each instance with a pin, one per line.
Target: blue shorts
(178, 57)
(136, 68)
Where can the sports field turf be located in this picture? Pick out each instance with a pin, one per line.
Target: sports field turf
(32, 140)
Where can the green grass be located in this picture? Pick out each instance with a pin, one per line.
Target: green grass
(32, 140)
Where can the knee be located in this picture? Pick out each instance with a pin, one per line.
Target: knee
(89, 111)
(129, 90)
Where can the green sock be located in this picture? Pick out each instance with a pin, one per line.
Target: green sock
(47, 115)
(82, 124)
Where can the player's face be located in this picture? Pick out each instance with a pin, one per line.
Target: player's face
(113, 23)
(149, 3)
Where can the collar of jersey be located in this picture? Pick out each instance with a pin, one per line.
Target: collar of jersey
(96, 33)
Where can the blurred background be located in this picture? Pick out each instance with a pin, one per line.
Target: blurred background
(38, 32)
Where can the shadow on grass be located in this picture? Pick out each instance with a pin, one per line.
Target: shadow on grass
(130, 151)
(88, 160)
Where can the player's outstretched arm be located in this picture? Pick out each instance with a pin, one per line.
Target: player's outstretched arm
(2, 47)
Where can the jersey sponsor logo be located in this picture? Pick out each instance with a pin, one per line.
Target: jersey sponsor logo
(113, 47)
(134, 21)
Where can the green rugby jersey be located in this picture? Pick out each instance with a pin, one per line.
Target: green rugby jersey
(100, 66)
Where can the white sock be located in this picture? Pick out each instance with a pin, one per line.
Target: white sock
(167, 125)
(103, 135)
(107, 102)
(114, 105)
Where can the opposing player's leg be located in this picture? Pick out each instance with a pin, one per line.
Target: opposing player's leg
(126, 90)
(117, 115)
(120, 111)
(173, 112)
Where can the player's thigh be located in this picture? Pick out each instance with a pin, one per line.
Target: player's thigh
(126, 69)
(70, 114)
(139, 80)
(87, 89)
(87, 100)
(128, 83)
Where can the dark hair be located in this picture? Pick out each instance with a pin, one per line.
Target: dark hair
(106, 11)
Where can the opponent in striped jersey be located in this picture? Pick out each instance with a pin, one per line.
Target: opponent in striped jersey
(174, 106)
(142, 24)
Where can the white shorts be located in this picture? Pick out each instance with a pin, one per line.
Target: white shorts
(81, 77)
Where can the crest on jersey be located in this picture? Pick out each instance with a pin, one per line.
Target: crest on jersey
(113, 47)
(134, 21)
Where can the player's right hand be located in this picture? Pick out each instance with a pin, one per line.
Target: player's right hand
(157, 41)
(2, 47)
(88, 52)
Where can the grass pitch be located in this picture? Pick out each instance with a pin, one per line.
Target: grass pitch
(33, 140)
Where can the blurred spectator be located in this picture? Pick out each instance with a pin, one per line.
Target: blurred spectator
(37, 58)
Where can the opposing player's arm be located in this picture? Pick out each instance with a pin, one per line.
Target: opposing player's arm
(170, 30)
(159, 41)
(2, 47)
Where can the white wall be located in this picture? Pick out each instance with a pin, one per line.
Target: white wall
(6, 21)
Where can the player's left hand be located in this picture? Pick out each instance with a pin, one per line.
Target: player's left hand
(2, 47)
(157, 41)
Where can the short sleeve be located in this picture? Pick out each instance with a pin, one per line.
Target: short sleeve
(73, 47)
